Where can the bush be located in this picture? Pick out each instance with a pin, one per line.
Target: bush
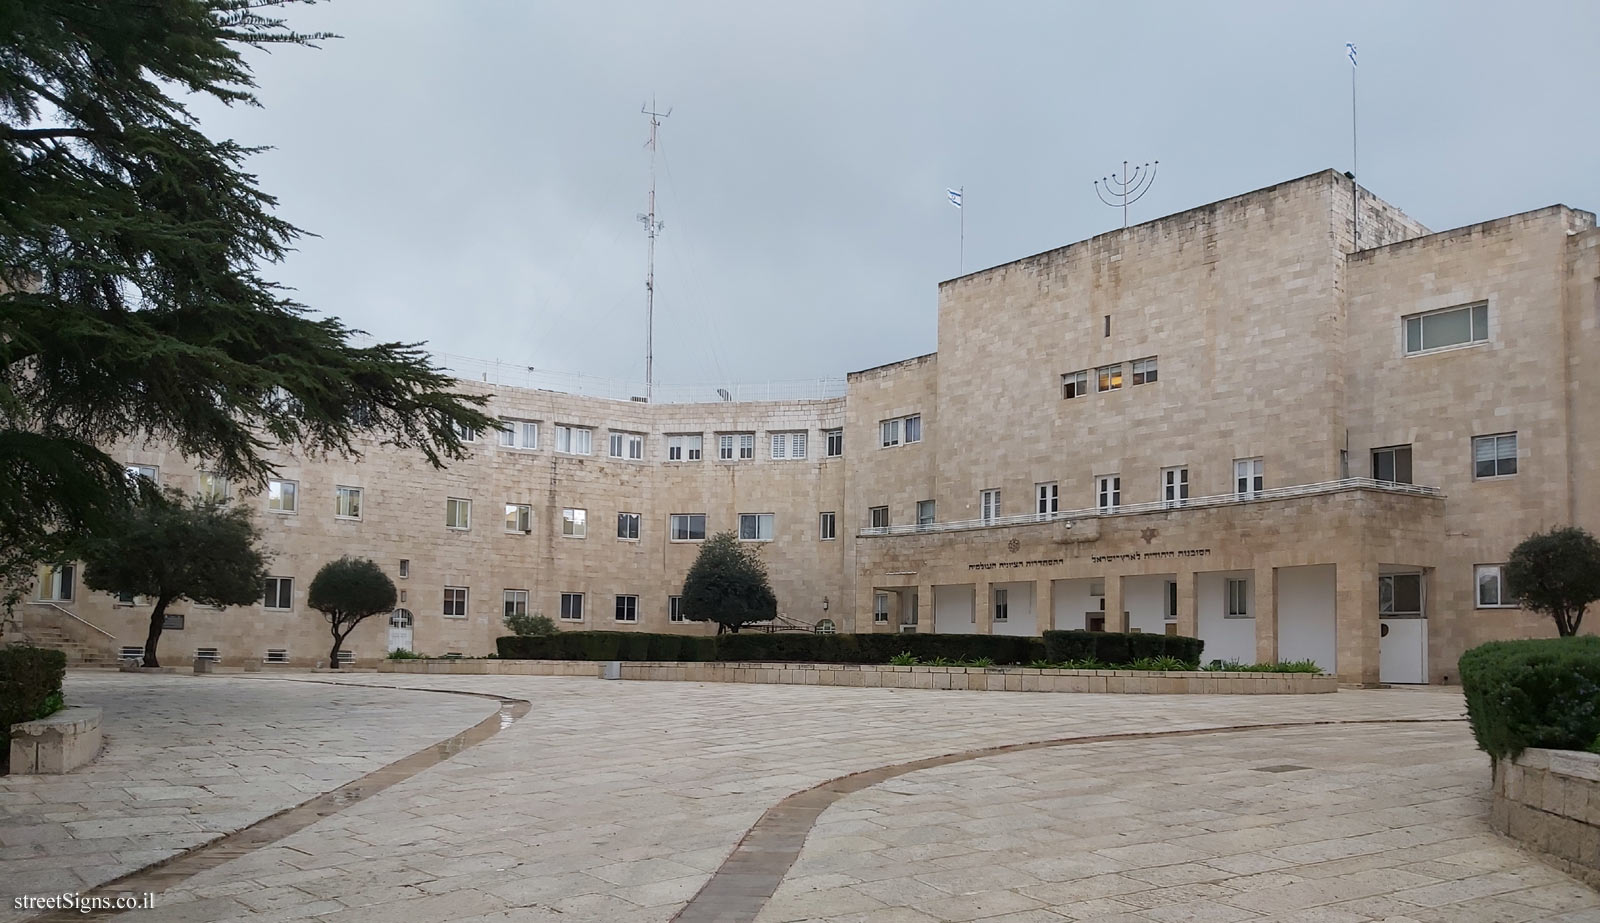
(1116, 647)
(1283, 666)
(876, 648)
(403, 654)
(1538, 693)
(606, 645)
(530, 626)
(30, 687)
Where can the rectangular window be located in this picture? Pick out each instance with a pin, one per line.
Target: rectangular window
(130, 652)
(279, 593)
(1392, 464)
(57, 583)
(574, 523)
(914, 428)
(1108, 492)
(347, 656)
(1491, 581)
(574, 440)
(989, 504)
(687, 527)
(725, 447)
(515, 602)
(684, 447)
(788, 445)
(208, 653)
(455, 602)
(528, 435)
(276, 655)
(1450, 327)
(1002, 604)
(1047, 498)
(1238, 590)
(925, 513)
(148, 472)
(405, 567)
(1074, 384)
(1247, 479)
(1174, 486)
(755, 527)
(465, 433)
(827, 528)
(747, 445)
(880, 607)
(283, 496)
(1400, 594)
(628, 526)
(213, 487)
(627, 608)
(1109, 377)
(835, 439)
(878, 517)
(347, 502)
(1494, 456)
(674, 608)
(780, 445)
(1144, 371)
(508, 434)
(519, 517)
(627, 445)
(571, 607)
(457, 513)
(1170, 611)
(889, 433)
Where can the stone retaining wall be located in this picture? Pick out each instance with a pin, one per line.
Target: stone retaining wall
(1008, 679)
(496, 667)
(60, 743)
(1550, 800)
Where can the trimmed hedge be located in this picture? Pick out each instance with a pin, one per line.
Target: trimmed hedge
(29, 678)
(875, 648)
(1116, 647)
(1538, 693)
(607, 645)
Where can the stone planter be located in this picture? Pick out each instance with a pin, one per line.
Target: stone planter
(1550, 800)
(60, 743)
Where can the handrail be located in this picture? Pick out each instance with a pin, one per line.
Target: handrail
(1160, 506)
(74, 616)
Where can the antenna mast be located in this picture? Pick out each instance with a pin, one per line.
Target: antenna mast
(651, 227)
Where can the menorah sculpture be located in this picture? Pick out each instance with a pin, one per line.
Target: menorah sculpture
(1128, 188)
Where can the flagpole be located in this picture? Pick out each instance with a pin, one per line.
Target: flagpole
(961, 258)
(1355, 159)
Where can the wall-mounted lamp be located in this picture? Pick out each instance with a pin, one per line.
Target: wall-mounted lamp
(824, 604)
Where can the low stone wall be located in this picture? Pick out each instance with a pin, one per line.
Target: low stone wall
(1550, 800)
(60, 743)
(496, 667)
(999, 679)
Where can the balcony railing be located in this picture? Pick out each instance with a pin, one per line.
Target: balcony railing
(1162, 506)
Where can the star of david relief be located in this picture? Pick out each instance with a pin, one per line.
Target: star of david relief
(1013, 545)
(1149, 535)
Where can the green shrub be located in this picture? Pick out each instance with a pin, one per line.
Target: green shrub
(1286, 666)
(1160, 663)
(530, 625)
(403, 654)
(606, 645)
(1536, 693)
(876, 648)
(904, 659)
(1116, 647)
(30, 687)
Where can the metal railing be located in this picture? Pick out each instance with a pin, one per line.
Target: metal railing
(494, 371)
(71, 615)
(1161, 506)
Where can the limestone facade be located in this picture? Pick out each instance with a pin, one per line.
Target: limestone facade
(1254, 337)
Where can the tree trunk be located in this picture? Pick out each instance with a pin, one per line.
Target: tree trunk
(338, 642)
(158, 618)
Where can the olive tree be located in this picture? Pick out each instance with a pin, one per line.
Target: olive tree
(1556, 573)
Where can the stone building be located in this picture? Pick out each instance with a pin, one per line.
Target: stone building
(1295, 423)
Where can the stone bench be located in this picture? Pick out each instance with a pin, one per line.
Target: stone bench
(1550, 800)
(60, 743)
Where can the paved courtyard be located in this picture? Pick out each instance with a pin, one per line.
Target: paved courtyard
(619, 801)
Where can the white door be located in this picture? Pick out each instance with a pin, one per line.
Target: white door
(400, 630)
(1403, 650)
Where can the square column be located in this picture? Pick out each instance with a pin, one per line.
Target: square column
(1355, 615)
(1116, 615)
(1044, 605)
(982, 608)
(1188, 603)
(860, 619)
(1264, 590)
(925, 608)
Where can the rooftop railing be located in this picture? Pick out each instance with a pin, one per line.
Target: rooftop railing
(1162, 506)
(510, 374)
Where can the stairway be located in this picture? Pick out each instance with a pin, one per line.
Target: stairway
(78, 653)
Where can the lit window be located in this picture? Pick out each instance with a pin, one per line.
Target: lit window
(1074, 384)
(835, 439)
(1494, 456)
(571, 607)
(574, 440)
(1048, 496)
(880, 607)
(515, 602)
(1400, 594)
(283, 496)
(1174, 486)
(628, 526)
(1491, 581)
(1144, 370)
(1108, 492)
(627, 608)
(519, 517)
(1247, 477)
(457, 513)
(1446, 328)
(878, 517)
(755, 527)
(828, 529)
(687, 527)
(1238, 591)
(1109, 377)
(989, 504)
(455, 602)
(574, 523)
(675, 608)
(684, 447)
(279, 593)
(347, 502)
(627, 445)
(889, 433)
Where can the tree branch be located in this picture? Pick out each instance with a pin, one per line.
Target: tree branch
(44, 134)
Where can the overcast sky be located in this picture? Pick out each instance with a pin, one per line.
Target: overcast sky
(474, 168)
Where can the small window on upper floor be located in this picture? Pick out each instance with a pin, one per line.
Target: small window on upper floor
(1392, 464)
(685, 447)
(465, 433)
(1109, 377)
(1460, 326)
(835, 439)
(213, 486)
(1074, 384)
(1144, 371)
(878, 517)
(283, 496)
(1494, 456)
(627, 445)
(574, 440)
(788, 445)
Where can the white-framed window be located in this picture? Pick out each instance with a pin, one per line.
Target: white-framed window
(834, 439)
(827, 527)
(508, 434)
(627, 445)
(1169, 596)
(1247, 477)
(208, 653)
(627, 609)
(989, 504)
(405, 568)
(788, 445)
(675, 609)
(1174, 486)
(1458, 326)
(880, 607)
(878, 517)
(1109, 377)
(57, 584)
(1238, 598)
(1491, 587)
(1074, 384)
(347, 502)
(283, 496)
(1494, 456)
(213, 486)
(148, 472)
(889, 433)
(628, 526)
(687, 527)
(1392, 464)
(574, 440)
(457, 513)
(1002, 604)
(574, 523)
(465, 433)
(519, 434)
(1108, 492)
(725, 447)
(747, 446)
(515, 602)
(925, 513)
(519, 517)
(1144, 370)
(755, 527)
(1047, 499)
(276, 655)
(913, 428)
(1400, 594)
(684, 447)
(455, 602)
(279, 593)
(571, 607)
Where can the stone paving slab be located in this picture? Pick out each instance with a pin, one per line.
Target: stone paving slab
(188, 759)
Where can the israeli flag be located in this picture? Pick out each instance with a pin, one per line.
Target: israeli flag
(955, 197)
(1350, 49)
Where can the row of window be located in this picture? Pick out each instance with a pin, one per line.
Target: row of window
(900, 431)
(271, 655)
(1108, 377)
(680, 447)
